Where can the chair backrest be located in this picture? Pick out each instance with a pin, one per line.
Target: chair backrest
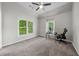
(65, 30)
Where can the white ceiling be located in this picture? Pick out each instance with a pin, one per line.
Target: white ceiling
(32, 8)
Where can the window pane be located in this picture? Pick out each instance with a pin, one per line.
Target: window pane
(22, 23)
(30, 27)
(30, 30)
(22, 27)
(22, 31)
(50, 26)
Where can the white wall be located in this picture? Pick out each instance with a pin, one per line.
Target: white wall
(76, 26)
(11, 13)
(41, 27)
(64, 20)
(0, 27)
(61, 20)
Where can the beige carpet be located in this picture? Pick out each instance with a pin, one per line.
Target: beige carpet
(39, 47)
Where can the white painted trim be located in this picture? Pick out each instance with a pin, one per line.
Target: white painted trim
(0, 27)
(75, 48)
(18, 41)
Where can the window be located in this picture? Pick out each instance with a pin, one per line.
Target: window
(50, 26)
(30, 27)
(22, 27)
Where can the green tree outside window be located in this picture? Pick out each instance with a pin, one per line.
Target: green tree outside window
(22, 27)
(30, 27)
(50, 26)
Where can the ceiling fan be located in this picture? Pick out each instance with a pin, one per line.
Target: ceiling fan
(41, 5)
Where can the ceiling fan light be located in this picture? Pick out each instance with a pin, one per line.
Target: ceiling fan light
(41, 6)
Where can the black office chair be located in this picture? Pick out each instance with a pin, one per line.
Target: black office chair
(61, 36)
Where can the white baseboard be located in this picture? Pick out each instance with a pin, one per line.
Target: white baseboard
(10, 43)
(75, 48)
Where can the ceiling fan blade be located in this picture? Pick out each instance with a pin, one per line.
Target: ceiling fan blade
(37, 8)
(35, 3)
(46, 4)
